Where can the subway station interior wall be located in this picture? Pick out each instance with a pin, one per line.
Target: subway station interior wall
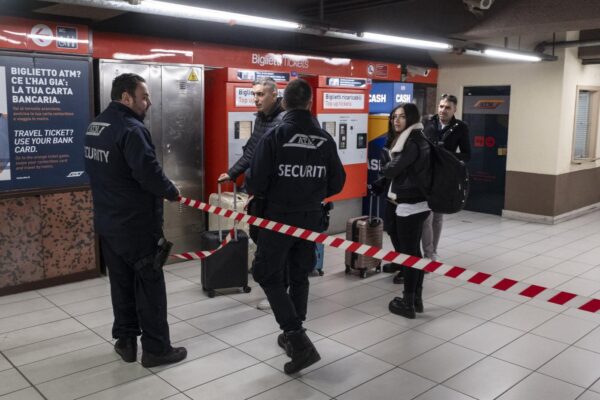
(535, 106)
(540, 176)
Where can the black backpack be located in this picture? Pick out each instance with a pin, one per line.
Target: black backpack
(448, 187)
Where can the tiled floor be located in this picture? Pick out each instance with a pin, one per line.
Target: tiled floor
(471, 342)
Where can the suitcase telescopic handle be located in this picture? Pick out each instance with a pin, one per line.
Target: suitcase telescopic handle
(235, 222)
(371, 197)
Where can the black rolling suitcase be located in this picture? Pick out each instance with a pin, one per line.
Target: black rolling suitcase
(228, 267)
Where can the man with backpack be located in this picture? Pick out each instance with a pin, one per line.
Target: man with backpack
(452, 134)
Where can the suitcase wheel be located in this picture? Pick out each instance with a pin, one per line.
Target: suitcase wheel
(363, 273)
(348, 270)
(247, 289)
(321, 272)
(211, 293)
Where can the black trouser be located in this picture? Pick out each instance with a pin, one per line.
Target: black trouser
(139, 299)
(274, 252)
(405, 233)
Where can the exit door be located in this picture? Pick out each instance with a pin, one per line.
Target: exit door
(486, 110)
(175, 123)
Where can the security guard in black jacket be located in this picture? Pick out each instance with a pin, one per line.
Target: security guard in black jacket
(295, 167)
(128, 188)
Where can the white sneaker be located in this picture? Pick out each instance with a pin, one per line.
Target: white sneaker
(264, 305)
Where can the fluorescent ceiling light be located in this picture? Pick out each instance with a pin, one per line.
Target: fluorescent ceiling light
(404, 41)
(208, 14)
(510, 55)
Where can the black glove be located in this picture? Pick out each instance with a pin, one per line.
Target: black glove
(378, 187)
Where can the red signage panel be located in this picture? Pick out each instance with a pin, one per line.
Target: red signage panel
(43, 36)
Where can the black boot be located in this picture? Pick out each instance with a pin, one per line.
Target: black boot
(303, 351)
(399, 278)
(127, 348)
(404, 306)
(419, 300)
(390, 267)
(283, 343)
(173, 355)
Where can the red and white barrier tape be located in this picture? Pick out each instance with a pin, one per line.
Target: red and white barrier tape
(480, 278)
(198, 255)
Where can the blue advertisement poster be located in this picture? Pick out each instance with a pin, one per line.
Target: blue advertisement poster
(44, 112)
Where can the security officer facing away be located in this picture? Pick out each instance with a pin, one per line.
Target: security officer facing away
(295, 167)
(128, 188)
(452, 134)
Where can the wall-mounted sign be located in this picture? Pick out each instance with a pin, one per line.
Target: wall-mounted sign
(347, 101)
(45, 105)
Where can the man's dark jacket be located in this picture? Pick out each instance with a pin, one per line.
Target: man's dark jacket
(454, 135)
(262, 124)
(128, 183)
(296, 165)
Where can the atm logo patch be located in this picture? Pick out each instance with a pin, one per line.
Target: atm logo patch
(305, 141)
(488, 104)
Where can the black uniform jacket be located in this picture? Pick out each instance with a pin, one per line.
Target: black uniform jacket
(262, 124)
(128, 183)
(454, 135)
(405, 169)
(296, 165)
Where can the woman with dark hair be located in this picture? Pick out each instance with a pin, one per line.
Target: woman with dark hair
(405, 163)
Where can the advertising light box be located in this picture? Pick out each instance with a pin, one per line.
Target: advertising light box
(44, 112)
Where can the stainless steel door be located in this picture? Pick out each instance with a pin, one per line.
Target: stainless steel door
(175, 122)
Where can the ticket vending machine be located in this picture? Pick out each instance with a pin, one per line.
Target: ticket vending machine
(342, 105)
(230, 114)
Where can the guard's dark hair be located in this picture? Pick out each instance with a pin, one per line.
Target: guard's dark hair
(297, 95)
(125, 83)
(411, 111)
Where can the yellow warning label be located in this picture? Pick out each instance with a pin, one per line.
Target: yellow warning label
(193, 76)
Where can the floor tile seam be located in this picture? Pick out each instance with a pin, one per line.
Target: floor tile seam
(286, 382)
(73, 302)
(360, 302)
(202, 315)
(364, 323)
(226, 326)
(372, 317)
(152, 373)
(65, 353)
(589, 388)
(101, 390)
(79, 315)
(378, 376)
(49, 306)
(22, 375)
(412, 358)
(61, 318)
(77, 372)
(21, 300)
(226, 375)
(439, 384)
(44, 340)
(597, 324)
(69, 290)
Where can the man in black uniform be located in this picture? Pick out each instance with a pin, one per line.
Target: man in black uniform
(128, 188)
(453, 134)
(295, 167)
